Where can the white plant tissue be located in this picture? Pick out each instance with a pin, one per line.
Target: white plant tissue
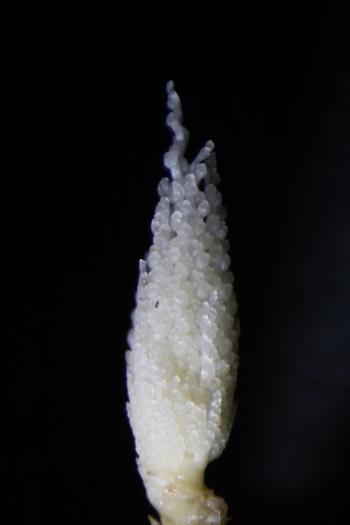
(182, 363)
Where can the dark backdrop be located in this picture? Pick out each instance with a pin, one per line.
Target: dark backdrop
(83, 114)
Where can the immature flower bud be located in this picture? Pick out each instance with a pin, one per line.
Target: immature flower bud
(182, 366)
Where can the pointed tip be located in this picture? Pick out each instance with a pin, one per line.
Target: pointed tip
(173, 101)
(170, 86)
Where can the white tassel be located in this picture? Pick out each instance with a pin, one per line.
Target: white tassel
(182, 366)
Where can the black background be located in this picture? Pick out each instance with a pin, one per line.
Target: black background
(83, 112)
